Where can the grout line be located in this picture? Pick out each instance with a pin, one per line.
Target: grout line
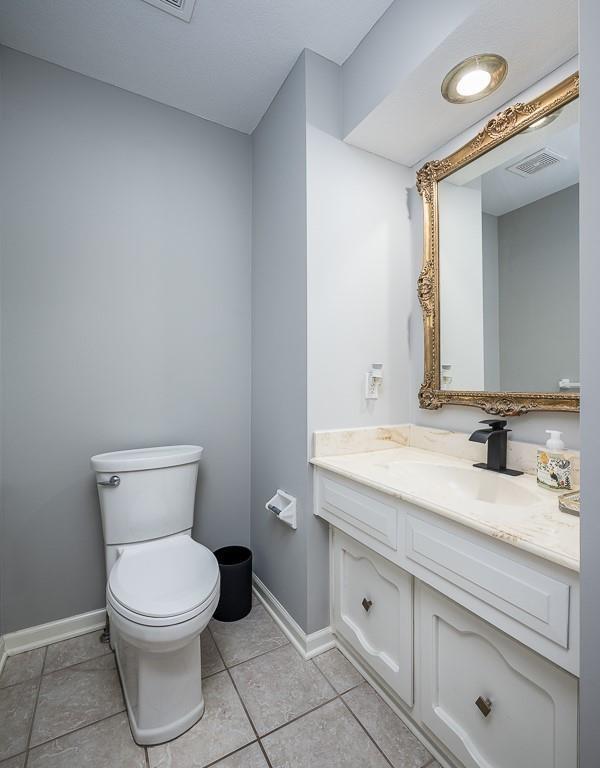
(258, 738)
(81, 728)
(385, 757)
(258, 655)
(352, 687)
(229, 754)
(242, 703)
(68, 666)
(34, 711)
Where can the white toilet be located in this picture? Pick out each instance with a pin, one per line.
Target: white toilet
(162, 586)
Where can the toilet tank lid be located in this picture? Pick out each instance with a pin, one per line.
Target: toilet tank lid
(146, 458)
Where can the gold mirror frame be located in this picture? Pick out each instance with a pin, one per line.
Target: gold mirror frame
(498, 130)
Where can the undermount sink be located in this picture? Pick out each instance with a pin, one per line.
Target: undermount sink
(468, 482)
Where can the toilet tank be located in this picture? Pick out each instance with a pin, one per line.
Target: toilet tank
(146, 493)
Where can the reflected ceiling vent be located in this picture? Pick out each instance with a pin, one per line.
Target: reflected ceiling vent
(182, 9)
(535, 163)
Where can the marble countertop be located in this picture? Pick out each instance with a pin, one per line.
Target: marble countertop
(538, 527)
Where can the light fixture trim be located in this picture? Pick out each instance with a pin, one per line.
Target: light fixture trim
(543, 122)
(474, 78)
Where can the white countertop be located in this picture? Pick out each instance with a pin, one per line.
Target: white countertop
(538, 527)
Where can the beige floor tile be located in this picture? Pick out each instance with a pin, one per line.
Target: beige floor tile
(279, 686)
(394, 739)
(106, 744)
(329, 737)
(16, 710)
(249, 637)
(249, 757)
(77, 696)
(338, 670)
(23, 666)
(223, 729)
(74, 651)
(211, 659)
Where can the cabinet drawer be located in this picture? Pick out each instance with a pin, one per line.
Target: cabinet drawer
(532, 598)
(527, 716)
(358, 512)
(373, 610)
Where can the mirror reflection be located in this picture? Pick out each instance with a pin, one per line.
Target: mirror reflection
(509, 264)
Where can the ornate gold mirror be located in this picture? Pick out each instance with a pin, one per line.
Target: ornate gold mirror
(499, 283)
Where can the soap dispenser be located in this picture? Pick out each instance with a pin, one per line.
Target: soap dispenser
(554, 463)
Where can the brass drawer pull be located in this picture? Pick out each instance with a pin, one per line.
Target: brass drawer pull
(484, 705)
(366, 604)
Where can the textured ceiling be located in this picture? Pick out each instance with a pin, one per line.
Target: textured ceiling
(226, 65)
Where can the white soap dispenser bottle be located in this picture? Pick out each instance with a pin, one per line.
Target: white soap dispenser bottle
(554, 463)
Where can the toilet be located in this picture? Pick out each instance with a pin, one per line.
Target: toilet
(162, 586)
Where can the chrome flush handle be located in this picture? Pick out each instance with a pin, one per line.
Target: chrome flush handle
(112, 482)
(366, 604)
(484, 705)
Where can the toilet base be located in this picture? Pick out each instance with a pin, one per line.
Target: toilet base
(160, 675)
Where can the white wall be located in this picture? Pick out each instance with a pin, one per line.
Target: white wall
(125, 309)
(358, 268)
(461, 285)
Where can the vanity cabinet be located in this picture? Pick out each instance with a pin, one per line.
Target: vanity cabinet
(373, 611)
(475, 641)
(492, 702)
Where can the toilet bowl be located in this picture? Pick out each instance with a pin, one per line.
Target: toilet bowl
(161, 590)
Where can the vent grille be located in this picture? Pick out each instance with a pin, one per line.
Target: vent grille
(535, 163)
(182, 9)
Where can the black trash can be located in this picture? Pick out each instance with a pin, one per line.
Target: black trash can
(235, 565)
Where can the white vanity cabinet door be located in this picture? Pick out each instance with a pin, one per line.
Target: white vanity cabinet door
(532, 718)
(373, 611)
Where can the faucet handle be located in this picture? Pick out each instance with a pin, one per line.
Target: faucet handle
(496, 424)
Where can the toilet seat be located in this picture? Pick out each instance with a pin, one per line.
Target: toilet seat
(163, 582)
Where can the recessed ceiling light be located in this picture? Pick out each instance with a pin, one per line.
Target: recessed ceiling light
(474, 78)
(543, 121)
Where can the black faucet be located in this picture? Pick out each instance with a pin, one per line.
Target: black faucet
(496, 439)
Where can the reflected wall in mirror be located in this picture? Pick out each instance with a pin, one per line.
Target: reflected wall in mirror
(500, 281)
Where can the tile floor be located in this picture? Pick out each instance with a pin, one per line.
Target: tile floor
(62, 707)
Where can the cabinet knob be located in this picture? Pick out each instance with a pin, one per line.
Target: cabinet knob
(366, 604)
(484, 705)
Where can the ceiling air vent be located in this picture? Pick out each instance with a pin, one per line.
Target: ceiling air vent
(182, 9)
(535, 163)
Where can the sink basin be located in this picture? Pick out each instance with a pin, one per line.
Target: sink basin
(467, 482)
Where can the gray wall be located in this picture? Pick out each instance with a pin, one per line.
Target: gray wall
(279, 379)
(538, 247)
(590, 374)
(491, 318)
(125, 309)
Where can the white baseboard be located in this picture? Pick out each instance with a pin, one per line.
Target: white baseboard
(307, 645)
(3, 654)
(52, 632)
